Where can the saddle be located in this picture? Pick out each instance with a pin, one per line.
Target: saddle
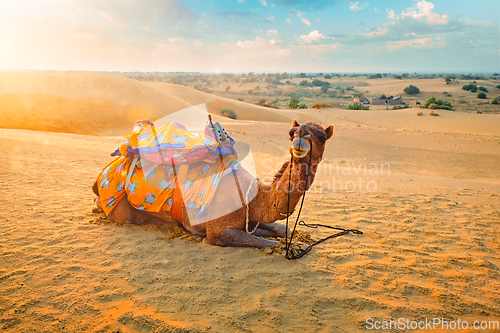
(168, 168)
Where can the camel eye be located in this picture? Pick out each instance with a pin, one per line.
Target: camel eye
(292, 132)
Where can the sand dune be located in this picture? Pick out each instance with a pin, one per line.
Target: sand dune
(424, 190)
(99, 104)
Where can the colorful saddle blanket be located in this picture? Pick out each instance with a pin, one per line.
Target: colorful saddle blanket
(150, 188)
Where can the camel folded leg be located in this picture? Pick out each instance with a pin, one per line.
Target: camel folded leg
(272, 230)
(239, 238)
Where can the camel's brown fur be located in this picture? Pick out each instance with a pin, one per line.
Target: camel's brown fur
(229, 230)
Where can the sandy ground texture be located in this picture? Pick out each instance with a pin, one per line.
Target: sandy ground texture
(424, 190)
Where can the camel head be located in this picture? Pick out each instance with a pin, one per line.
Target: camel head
(306, 136)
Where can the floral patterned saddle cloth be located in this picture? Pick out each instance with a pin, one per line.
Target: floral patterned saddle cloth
(149, 187)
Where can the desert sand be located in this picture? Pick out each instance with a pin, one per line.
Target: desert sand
(424, 190)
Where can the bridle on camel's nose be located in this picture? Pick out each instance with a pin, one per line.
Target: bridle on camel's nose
(289, 254)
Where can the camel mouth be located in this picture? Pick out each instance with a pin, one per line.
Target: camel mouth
(299, 153)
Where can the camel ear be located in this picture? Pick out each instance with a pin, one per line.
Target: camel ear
(295, 123)
(329, 132)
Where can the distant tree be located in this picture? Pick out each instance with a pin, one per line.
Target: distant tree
(328, 77)
(470, 87)
(295, 104)
(481, 95)
(324, 88)
(411, 90)
(483, 89)
(447, 80)
(375, 76)
(498, 86)
(495, 101)
(319, 83)
(228, 87)
(302, 75)
(383, 96)
(305, 83)
(397, 77)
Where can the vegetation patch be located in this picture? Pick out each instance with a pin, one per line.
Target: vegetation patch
(322, 105)
(411, 90)
(228, 113)
(470, 87)
(357, 106)
(295, 104)
(433, 104)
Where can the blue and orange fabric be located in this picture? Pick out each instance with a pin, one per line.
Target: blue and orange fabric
(150, 188)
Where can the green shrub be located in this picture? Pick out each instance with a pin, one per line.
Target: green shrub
(470, 87)
(481, 95)
(375, 76)
(228, 113)
(495, 101)
(305, 83)
(295, 104)
(498, 86)
(483, 89)
(411, 90)
(357, 106)
(438, 104)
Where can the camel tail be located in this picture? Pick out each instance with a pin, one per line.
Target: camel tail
(95, 188)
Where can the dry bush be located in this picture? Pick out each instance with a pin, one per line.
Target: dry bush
(434, 114)
(420, 114)
(322, 105)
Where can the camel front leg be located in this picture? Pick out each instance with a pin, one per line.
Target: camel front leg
(272, 230)
(239, 238)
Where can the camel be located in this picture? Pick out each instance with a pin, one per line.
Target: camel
(245, 226)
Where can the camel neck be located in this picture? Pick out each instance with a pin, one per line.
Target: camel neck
(301, 178)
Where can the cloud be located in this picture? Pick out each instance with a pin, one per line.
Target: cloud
(263, 3)
(379, 32)
(390, 13)
(270, 19)
(289, 21)
(273, 34)
(423, 12)
(241, 1)
(304, 19)
(354, 6)
(418, 42)
(313, 36)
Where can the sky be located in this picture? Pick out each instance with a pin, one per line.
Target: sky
(250, 35)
